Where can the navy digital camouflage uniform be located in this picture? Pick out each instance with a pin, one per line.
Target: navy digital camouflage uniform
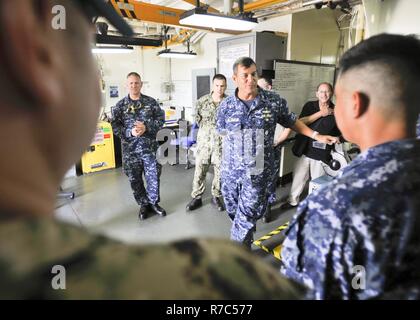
(272, 184)
(100, 268)
(244, 189)
(368, 216)
(139, 153)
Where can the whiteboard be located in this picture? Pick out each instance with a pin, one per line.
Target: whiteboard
(229, 54)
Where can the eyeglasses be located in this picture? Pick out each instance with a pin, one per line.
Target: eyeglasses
(93, 9)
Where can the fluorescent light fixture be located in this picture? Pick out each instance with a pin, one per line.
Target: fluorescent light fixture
(168, 53)
(199, 17)
(112, 49)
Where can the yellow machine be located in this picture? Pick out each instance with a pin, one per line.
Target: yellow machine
(100, 155)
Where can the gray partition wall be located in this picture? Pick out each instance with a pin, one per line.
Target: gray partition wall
(262, 47)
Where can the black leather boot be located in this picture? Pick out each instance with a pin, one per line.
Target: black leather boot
(143, 212)
(158, 209)
(194, 204)
(218, 203)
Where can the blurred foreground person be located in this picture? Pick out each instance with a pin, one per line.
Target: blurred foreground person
(358, 236)
(51, 82)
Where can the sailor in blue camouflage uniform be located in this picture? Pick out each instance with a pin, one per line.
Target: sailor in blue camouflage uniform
(358, 236)
(247, 122)
(136, 119)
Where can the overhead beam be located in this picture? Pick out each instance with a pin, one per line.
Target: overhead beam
(147, 12)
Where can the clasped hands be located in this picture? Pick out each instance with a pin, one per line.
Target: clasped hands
(139, 129)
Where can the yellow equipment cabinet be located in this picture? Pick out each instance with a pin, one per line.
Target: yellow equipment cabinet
(100, 155)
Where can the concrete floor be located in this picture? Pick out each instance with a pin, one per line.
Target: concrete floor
(104, 204)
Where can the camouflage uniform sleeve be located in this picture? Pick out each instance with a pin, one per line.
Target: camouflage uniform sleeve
(220, 118)
(156, 123)
(293, 251)
(320, 249)
(189, 269)
(286, 118)
(197, 116)
(100, 268)
(117, 122)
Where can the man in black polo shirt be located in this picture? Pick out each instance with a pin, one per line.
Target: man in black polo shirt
(319, 116)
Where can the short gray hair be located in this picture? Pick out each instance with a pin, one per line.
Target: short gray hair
(243, 61)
